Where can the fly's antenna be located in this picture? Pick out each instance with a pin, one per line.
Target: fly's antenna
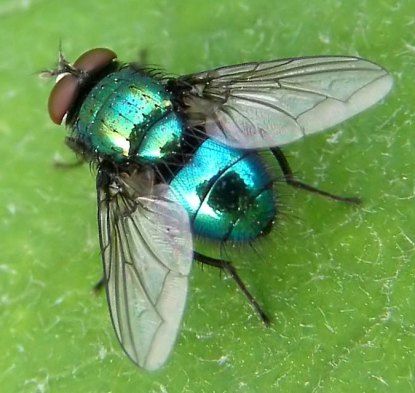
(63, 67)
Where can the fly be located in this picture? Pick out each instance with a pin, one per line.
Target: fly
(179, 157)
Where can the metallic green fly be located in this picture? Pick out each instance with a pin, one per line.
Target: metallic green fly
(179, 158)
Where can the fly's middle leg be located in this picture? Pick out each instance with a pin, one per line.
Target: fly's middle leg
(292, 181)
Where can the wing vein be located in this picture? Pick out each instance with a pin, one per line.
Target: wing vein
(263, 103)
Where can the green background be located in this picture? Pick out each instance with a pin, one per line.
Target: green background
(338, 281)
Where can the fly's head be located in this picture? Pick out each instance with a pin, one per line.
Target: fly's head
(72, 78)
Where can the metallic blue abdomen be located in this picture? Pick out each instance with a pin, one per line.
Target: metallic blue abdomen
(227, 193)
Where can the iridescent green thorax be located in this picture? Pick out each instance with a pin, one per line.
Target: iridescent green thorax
(129, 115)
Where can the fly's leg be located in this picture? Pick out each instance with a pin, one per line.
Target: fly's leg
(228, 267)
(143, 56)
(292, 181)
(99, 286)
(79, 151)
(58, 163)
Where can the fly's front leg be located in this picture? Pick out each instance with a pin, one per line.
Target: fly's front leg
(292, 181)
(79, 151)
(61, 164)
(143, 56)
(229, 268)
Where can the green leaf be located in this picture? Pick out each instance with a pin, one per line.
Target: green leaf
(338, 281)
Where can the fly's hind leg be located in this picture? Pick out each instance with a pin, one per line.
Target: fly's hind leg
(230, 269)
(292, 181)
(99, 285)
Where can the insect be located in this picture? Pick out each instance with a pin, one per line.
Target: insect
(177, 157)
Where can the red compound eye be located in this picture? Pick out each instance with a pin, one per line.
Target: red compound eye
(66, 90)
(62, 96)
(95, 60)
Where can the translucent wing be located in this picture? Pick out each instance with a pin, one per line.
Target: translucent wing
(259, 105)
(147, 253)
